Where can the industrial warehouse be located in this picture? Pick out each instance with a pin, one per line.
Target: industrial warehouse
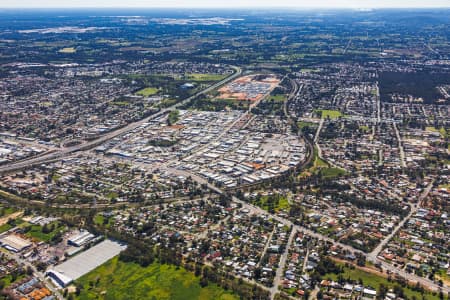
(85, 262)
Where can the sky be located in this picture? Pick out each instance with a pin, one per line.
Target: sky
(224, 4)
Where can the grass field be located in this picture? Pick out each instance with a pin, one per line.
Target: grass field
(364, 128)
(68, 50)
(117, 280)
(102, 221)
(5, 211)
(279, 203)
(205, 77)
(322, 168)
(317, 164)
(374, 281)
(278, 98)
(332, 114)
(146, 92)
(330, 173)
(5, 227)
(303, 124)
(36, 232)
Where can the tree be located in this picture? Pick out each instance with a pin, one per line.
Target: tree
(382, 291)
(203, 282)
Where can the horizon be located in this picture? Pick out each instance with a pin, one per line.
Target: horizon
(231, 4)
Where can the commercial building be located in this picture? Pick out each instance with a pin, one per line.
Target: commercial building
(14, 243)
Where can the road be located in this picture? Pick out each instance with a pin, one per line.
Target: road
(110, 135)
(279, 274)
(294, 92)
(319, 129)
(253, 209)
(259, 211)
(372, 256)
(400, 145)
(378, 105)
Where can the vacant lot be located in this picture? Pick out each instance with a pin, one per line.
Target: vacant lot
(45, 234)
(326, 113)
(146, 92)
(205, 77)
(117, 280)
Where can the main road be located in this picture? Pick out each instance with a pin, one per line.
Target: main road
(110, 135)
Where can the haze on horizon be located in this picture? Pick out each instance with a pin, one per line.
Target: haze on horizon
(225, 4)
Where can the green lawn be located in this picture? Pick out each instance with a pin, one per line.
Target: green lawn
(146, 92)
(303, 124)
(117, 280)
(278, 98)
(36, 232)
(364, 128)
(4, 211)
(5, 227)
(102, 221)
(330, 173)
(332, 114)
(316, 165)
(280, 202)
(374, 281)
(205, 77)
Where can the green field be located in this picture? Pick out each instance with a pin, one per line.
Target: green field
(205, 77)
(278, 98)
(303, 124)
(321, 167)
(37, 232)
(117, 280)
(330, 173)
(102, 221)
(332, 114)
(146, 92)
(374, 281)
(364, 128)
(5, 227)
(275, 202)
(5, 211)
